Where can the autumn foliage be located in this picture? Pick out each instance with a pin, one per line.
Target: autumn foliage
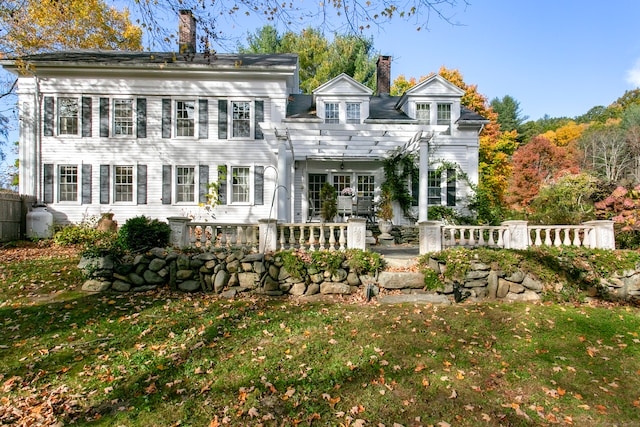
(623, 207)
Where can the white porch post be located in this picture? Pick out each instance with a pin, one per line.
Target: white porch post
(423, 197)
(284, 210)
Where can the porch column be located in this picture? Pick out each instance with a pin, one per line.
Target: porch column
(423, 197)
(282, 189)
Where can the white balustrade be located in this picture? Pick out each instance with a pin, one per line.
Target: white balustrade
(473, 236)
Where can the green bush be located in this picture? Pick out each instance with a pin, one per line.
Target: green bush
(364, 262)
(628, 239)
(106, 244)
(77, 235)
(293, 263)
(327, 261)
(140, 233)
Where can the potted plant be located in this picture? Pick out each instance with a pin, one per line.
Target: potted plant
(385, 213)
(328, 203)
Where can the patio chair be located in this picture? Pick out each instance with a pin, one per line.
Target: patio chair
(364, 208)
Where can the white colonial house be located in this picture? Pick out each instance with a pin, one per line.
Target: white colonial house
(143, 133)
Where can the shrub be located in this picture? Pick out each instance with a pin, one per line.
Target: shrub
(76, 235)
(106, 244)
(140, 233)
(327, 261)
(294, 264)
(364, 262)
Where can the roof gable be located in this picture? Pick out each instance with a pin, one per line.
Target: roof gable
(435, 85)
(342, 85)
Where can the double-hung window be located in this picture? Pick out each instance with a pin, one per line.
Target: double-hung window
(123, 117)
(423, 112)
(340, 182)
(68, 183)
(185, 118)
(185, 184)
(434, 190)
(241, 119)
(123, 180)
(353, 113)
(332, 112)
(240, 185)
(444, 114)
(67, 116)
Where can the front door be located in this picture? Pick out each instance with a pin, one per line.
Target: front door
(316, 181)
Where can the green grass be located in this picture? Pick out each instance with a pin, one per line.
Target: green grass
(162, 358)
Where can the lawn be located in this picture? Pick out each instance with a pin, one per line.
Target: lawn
(163, 358)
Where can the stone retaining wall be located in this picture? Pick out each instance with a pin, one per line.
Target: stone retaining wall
(231, 273)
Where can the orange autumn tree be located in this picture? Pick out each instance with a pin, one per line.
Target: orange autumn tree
(496, 146)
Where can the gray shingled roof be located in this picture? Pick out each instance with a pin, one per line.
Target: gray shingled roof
(381, 107)
(126, 58)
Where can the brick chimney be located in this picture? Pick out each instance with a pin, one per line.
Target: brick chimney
(187, 32)
(383, 75)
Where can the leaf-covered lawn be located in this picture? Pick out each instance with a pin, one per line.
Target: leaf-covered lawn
(164, 358)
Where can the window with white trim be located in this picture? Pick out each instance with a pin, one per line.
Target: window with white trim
(444, 114)
(434, 188)
(240, 119)
(340, 182)
(123, 119)
(353, 113)
(240, 184)
(68, 116)
(185, 118)
(423, 112)
(185, 184)
(123, 183)
(68, 183)
(332, 112)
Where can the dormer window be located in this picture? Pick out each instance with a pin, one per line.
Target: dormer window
(332, 112)
(423, 112)
(353, 113)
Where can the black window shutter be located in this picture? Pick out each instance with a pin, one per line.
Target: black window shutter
(104, 117)
(166, 119)
(166, 184)
(142, 184)
(204, 184)
(48, 182)
(451, 187)
(48, 116)
(222, 119)
(415, 189)
(258, 180)
(222, 184)
(259, 117)
(203, 119)
(141, 117)
(86, 184)
(86, 116)
(104, 184)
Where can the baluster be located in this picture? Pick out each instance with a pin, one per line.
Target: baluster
(556, 237)
(504, 236)
(463, 240)
(222, 239)
(576, 237)
(472, 237)
(492, 241)
(538, 241)
(242, 238)
(302, 239)
(203, 237)
(481, 241)
(292, 237)
(452, 235)
(192, 235)
(312, 239)
(332, 238)
(567, 240)
(587, 237)
(547, 236)
(500, 242)
(321, 238)
(342, 240)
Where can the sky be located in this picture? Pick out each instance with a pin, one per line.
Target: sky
(555, 57)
